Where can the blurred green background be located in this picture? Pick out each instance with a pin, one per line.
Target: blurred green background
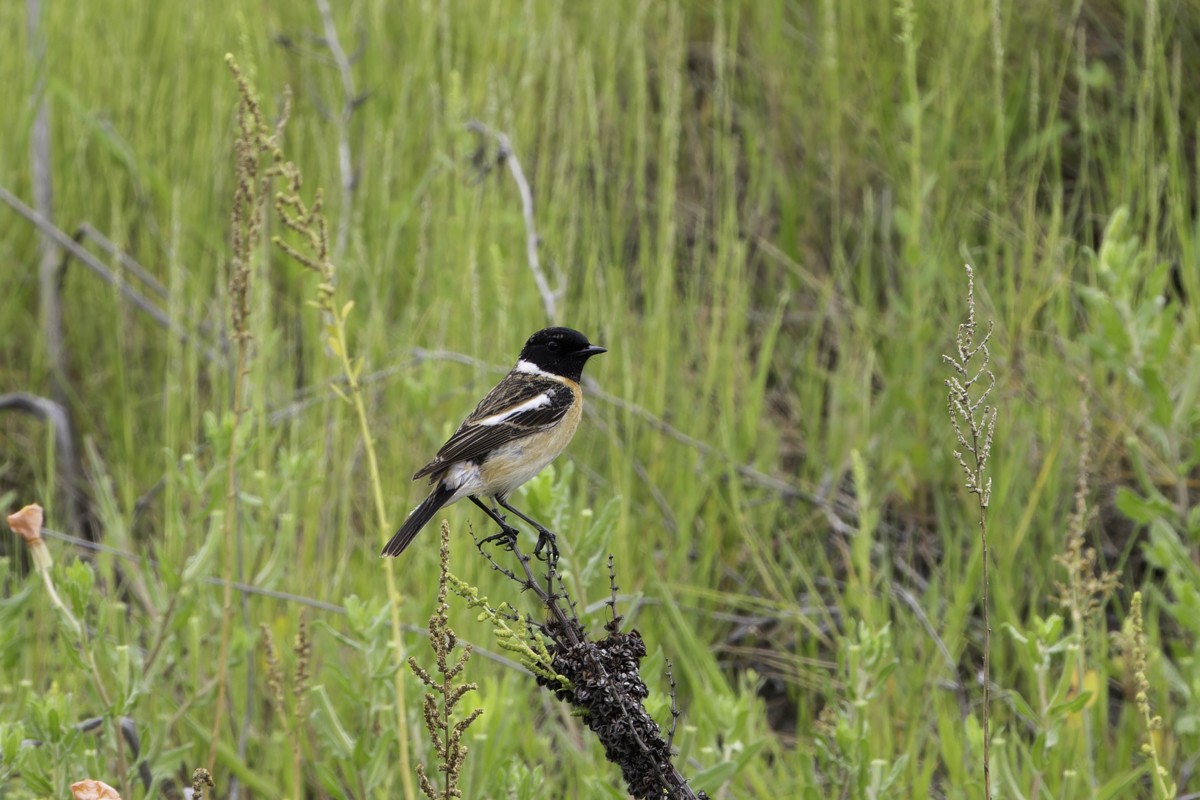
(763, 210)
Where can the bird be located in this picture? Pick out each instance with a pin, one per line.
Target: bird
(518, 428)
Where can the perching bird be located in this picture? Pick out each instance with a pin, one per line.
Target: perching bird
(515, 431)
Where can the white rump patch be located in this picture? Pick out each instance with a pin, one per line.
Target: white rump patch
(540, 401)
(460, 475)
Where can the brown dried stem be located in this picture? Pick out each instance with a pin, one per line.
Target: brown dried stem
(600, 679)
(506, 156)
(438, 706)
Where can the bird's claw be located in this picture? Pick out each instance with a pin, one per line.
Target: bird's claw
(546, 538)
(507, 536)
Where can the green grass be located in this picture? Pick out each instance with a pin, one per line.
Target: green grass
(762, 210)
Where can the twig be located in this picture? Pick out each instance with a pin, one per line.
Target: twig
(48, 411)
(746, 471)
(675, 713)
(85, 230)
(951, 665)
(94, 264)
(611, 602)
(251, 589)
(43, 201)
(349, 103)
(571, 632)
(128, 729)
(323, 392)
(49, 301)
(505, 154)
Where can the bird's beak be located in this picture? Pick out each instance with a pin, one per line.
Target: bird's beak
(593, 350)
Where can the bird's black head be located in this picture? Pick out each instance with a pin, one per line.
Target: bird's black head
(561, 351)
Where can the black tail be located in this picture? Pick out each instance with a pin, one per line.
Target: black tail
(417, 519)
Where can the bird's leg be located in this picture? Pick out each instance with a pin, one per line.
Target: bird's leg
(545, 536)
(507, 532)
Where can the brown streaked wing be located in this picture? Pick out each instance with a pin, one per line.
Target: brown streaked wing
(472, 440)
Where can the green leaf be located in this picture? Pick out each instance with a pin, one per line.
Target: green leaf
(198, 563)
(1161, 408)
(38, 781)
(78, 581)
(606, 788)
(1193, 523)
(1050, 736)
(228, 759)
(1120, 786)
(1021, 705)
(10, 745)
(1107, 321)
(328, 724)
(328, 778)
(711, 779)
(13, 607)
(1187, 724)
(1072, 706)
(1142, 510)
(1133, 447)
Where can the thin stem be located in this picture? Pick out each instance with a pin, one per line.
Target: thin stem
(987, 654)
(360, 410)
(227, 554)
(974, 425)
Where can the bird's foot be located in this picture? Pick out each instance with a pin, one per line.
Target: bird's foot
(546, 541)
(507, 536)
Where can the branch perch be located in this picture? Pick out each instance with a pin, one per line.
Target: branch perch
(602, 681)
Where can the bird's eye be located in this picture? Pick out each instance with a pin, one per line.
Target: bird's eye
(552, 346)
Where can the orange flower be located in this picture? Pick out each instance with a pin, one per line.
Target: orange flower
(90, 789)
(28, 524)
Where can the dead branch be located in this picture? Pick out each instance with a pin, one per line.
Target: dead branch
(350, 101)
(603, 682)
(505, 155)
(43, 199)
(86, 230)
(55, 414)
(61, 239)
(261, 591)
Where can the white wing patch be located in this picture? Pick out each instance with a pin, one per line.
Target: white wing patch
(540, 401)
